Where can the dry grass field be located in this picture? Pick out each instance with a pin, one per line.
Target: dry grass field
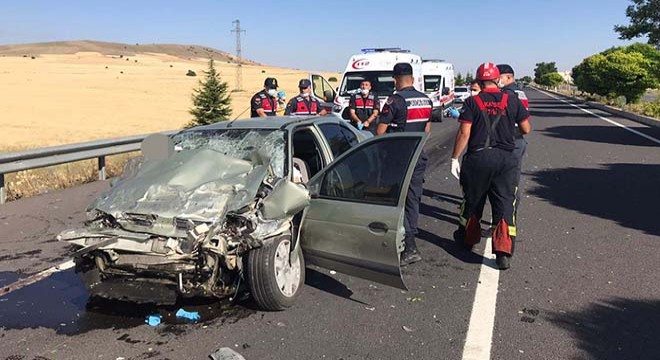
(69, 92)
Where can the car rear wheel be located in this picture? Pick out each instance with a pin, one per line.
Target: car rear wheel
(275, 274)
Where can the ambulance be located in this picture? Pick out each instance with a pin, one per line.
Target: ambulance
(374, 64)
(438, 85)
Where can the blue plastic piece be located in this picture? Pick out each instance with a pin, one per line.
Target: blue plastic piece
(360, 126)
(153, 320)
(189, 315)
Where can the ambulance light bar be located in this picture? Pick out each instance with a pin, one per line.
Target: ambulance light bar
(376, 50)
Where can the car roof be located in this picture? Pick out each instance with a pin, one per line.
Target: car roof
(271, 122)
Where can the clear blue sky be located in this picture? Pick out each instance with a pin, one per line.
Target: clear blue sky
(321, 35)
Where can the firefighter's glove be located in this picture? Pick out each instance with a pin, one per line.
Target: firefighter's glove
(455, 168)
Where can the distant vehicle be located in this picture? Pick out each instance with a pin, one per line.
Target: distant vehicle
(375, 65)
(438, 85)
(461, 93)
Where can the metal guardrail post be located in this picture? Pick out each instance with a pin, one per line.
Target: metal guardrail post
(3, 191)
(101, 167)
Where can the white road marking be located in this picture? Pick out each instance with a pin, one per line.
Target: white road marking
(6, 290)
(482, 319)
(604, 118)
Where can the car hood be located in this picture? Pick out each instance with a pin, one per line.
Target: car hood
(198, 185)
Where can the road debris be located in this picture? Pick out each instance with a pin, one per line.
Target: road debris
(153, 320)
(226, 354)
(189, 315)
(407, 329)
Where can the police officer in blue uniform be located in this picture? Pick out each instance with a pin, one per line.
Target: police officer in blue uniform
(408, 110)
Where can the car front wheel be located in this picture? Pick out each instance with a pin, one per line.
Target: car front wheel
(275, 274)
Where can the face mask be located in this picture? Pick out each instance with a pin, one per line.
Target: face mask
(272, 92)
(305, 94)
(500, 84)
(474, 92)
(364, 91)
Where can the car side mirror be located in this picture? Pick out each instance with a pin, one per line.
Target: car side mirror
(445, 91)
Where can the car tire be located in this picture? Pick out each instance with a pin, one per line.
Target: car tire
(436, 115)
(274, 282)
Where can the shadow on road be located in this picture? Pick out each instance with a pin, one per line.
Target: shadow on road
(452, 249)
(603, 134)
(624, 193)
(615, 329)
(323, 282)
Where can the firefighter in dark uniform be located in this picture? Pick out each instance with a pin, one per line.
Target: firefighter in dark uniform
(304, 103)
(364, 107)
(489, 168)
(264, 103)
(408, 111)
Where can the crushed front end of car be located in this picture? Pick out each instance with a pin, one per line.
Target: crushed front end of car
(182, 224)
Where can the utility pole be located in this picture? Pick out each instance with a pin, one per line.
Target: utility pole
(239, 67)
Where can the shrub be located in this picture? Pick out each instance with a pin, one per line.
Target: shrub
(332, 79)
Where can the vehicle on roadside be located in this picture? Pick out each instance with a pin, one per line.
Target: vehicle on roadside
(461, 93)
(243, 206)
(438, 85)
(375, 65)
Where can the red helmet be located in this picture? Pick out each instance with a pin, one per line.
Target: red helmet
(487, 71)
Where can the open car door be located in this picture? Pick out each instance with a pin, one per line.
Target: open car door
(322, 91)
(354, 223)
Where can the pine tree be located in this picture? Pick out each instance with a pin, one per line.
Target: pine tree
(211, 101)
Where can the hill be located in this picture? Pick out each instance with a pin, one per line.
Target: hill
(188, 52)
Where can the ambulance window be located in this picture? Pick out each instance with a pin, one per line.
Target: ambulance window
(322, 89)
(432, 83)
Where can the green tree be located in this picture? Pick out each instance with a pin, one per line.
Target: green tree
(551, 79)
(459, 80)
(525, 79)
(644, 18)
(211, 101)
(543, 68)
(469, 78)
(617, 72)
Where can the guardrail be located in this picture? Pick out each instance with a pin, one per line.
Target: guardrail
(32, 159)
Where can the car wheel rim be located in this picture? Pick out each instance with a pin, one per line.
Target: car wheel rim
(287, 275)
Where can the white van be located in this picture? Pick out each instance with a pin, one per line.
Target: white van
(375, 65)
(438, 85)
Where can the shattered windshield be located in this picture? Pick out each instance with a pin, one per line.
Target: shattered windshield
(237, 143)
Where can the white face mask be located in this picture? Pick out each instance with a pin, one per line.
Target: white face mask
(364, 91)
(272, 92)
(474, 93)
(500, 84)
(305, 94)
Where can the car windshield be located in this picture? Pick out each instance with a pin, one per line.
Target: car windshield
(382, 83)
(237, 143)
(460, 89)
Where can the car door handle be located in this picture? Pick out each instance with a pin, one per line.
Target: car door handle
(378, 227)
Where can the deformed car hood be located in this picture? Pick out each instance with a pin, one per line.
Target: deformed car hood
(200, 185)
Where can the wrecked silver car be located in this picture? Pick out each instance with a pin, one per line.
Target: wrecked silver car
(246, 203)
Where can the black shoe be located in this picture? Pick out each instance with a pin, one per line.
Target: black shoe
(459, 238)
(503, 261)
(410, 256)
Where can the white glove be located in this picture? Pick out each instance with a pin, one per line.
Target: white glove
(456, 168)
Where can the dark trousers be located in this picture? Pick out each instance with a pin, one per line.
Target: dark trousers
(518, 153)
(489, 173)
(414, 197)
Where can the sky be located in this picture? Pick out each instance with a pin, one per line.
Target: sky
(322, 35)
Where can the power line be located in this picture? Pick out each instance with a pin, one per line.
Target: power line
(239, 67)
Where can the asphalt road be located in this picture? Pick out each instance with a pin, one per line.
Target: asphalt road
(584, 282)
